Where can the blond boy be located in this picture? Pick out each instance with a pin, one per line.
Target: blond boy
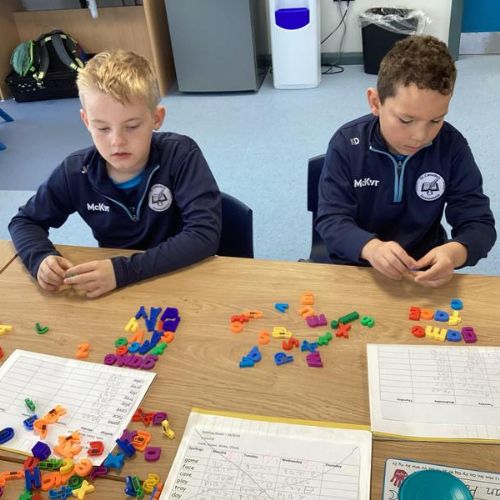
(135, 188)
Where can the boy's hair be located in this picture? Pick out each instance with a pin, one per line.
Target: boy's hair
(420, 60)
(123, 75)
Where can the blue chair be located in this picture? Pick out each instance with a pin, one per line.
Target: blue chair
(7, 118)
(319, 252)
(237, 228)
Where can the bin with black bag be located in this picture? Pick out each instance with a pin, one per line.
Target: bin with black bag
(46, 68)
(382, 27)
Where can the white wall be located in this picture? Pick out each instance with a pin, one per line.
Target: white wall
(437, 10)
(70, 4)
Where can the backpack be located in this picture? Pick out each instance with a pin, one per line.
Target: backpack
(22, 58)
(53, 51)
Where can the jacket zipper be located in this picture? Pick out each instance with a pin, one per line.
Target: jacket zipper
(399, 171)
(134, 217)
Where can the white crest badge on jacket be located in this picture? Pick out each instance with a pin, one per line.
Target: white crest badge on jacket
(430, 186)
(160, 198)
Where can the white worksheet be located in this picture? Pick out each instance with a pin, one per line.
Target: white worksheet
(99, 400)
(482, 485)
(443, 392)
(226, 457)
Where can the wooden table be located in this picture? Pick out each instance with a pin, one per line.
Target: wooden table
(7, 253)
(200, 368)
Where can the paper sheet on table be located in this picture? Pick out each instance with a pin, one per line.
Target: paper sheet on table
(248, 456)
(482, 485)
(99, 400)
(435, 392)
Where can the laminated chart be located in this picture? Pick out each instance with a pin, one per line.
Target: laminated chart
(481, 484)
(434, 393)
(99, 400)
(244, 456)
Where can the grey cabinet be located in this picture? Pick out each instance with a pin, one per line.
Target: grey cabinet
(213, 44)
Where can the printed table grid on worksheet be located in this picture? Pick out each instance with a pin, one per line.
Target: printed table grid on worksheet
(227, 457)
(463, 376)
(88, 400)
(99, 400)
(252, 475)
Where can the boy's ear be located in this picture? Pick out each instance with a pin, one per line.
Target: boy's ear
(373, 101)
(84, 118)
(158, 116)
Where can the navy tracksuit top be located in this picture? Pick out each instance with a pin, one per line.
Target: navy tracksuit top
(365, 193)
(174, 213)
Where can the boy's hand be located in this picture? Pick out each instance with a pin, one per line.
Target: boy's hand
(441, 261)
(388, 257)
(52, 271)
(93, 278)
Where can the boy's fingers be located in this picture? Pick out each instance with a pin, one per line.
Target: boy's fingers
(65, 263)
(52, 278)
(410, 276)
(52, 275)
(90, 288)
(389, 269)
(44, 285)
(92, 294)
(424, 261)
(400, 262)
(79, 287)
(405, 262)
(408, 262)
(429, 279)
(82, 279)
(400, 265)
(434, 283)
(52, 267)
(81, 273)
(433, 274)
(81, 268)
(411, 264)
(427, 275)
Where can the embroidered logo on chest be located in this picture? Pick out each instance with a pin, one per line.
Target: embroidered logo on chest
(97, 207)
(430, 186)
(366, 182)
(159, 198)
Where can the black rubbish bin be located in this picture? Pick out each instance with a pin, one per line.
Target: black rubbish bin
(381, 28)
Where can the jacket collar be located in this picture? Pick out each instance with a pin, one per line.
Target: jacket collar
(95, 168)
(375, 138)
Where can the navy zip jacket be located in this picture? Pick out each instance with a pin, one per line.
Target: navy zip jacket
(365, 193)
(174, 214)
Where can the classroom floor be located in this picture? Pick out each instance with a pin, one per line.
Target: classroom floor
(257, 145)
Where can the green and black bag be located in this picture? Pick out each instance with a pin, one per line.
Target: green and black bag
(22, 60)
(46, 68)
(54, 51)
